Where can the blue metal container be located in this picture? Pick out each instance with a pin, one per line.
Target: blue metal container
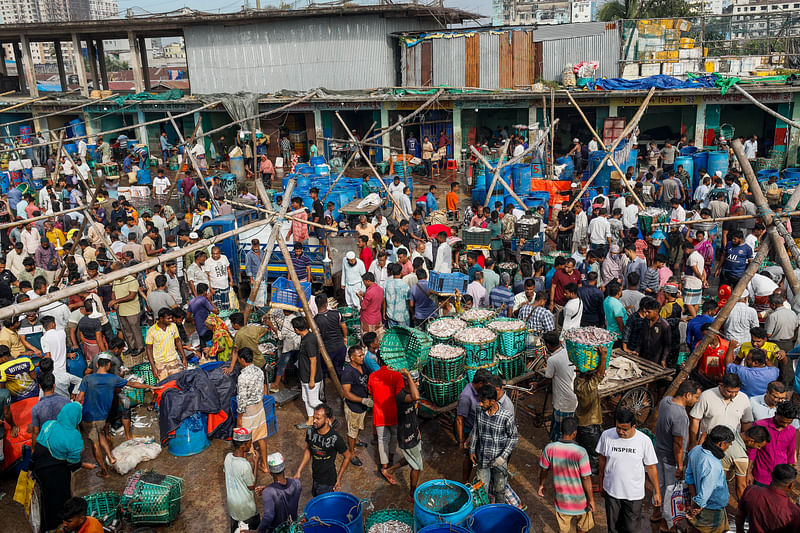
(478, 195)
(717, 161)
(700, 162)
(191, 436)
(498, 517)
(442, 528)
(569, 170)
(521, 176)
(338, 506)
(441, 501)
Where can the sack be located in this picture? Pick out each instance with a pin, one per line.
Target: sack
(262, 296)
(132, 180)
(24, 490)
(233, 299)
(673, 508)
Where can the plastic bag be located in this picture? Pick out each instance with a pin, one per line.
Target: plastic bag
(673, 508)
(24, 490)
(233, 299)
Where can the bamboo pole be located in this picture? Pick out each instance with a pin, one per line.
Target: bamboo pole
(403, 147)
(609, 153)
(369, 163)
(402, 121)
(719, 320)
(61, 112)
(193, 161)
(346, 165)
(603, 146)
(45, 217)
(497, 169)
(720, 219)
(174, 183)
(312, 324)
(105, 279)
(26, 102)
(552, 134)
(375, 145)
(273, 237)
(7, 93)
(286, 216)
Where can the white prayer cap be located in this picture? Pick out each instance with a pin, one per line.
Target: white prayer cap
(350, 255)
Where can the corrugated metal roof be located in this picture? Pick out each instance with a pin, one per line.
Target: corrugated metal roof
(340, 54)
(448, 62)
(603, 48)
(567, 31)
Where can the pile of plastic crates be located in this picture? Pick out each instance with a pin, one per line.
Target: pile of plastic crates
(152, 498)
(448, 282)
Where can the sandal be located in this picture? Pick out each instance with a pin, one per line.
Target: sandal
(387, 476)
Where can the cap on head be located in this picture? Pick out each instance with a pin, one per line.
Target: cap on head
(194, 235)
(350, 256)
(275, 463)
(671, 288)
(241, 435)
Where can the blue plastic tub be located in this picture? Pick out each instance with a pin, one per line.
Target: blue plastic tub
(498, 517)
(689, 150)
(314, 161)
(441, 500)
(341, 507)
(72, 149)
(765, 174)
(791, 174)
(191, 437)
(326, 526)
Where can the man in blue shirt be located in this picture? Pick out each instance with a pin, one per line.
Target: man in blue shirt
(200, 307)
(755, 375)
(431, 204)
(252, 261)
(96, 393)
(502, 296)
(693, 333)
(737, 255)
(420, 298)
(472, 263)
(706, 480)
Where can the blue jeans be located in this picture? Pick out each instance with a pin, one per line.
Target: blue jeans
(494, 479)
(284, 360)
(555, 424)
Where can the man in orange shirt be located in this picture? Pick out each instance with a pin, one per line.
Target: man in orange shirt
(452, 202)
(74, 519)
(711, 367)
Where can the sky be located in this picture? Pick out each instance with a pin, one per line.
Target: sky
(483, 7)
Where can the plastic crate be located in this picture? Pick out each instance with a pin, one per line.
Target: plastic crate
(283, 292)
(531, 245)
(146, 373)
(476, 236)
(152, 498)
(103, 506)
(528, 228)
(270, 413)
(454, 281)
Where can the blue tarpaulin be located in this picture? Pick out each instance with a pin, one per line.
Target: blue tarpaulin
(659, 82)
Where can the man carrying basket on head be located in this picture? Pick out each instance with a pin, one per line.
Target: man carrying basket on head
(588, 412)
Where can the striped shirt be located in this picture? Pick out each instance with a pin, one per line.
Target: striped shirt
(163, 341)
(569, 463)
(651, 281)
(502, 295)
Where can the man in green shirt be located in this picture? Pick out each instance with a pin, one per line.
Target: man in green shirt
(247, 336)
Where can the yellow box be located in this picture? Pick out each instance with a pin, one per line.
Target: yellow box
(683, 25)
(710, 66)
(687, 40)
(666, 23)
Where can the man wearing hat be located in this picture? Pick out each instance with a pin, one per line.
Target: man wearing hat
(240, 479)
(281, 497)
(352, 283)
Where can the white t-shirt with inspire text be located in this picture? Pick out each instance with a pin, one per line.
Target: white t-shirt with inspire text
(217, 270)
(625, 463)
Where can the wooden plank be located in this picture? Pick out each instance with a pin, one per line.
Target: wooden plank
(506, 61)
(426, 70)
(472, 65)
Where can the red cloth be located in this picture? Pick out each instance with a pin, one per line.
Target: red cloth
(482, 260)
(366, 257)
(435, 229)
(384, 384)
(561, 280)
(12, 446)
(712, 364)
(371, 305)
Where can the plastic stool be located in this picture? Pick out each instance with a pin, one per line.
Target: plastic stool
(452, 164)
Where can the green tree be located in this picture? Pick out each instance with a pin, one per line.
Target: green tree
(113, 64)
(636, 9)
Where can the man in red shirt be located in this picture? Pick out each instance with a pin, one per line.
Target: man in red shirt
(711, 367)
(373, 307)
(365, 254)
(770, 509)
(562, 278)
(384, 384)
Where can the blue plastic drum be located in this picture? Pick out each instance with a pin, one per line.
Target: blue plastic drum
(498, 517)
(339, 507)
(441, 501)
(191, 437)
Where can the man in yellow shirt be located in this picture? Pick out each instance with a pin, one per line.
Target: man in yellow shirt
(163, 345)
(17, 375)
(775, 356)
(55, 236)
(10, 337)
(126, 303)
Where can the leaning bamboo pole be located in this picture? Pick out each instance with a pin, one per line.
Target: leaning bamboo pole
(61, 111)
(719, 320)
(24, 221)
(286, 216)
(381, 132)
(346, 165)
(497, 169)
(193, 161)
(720, 219)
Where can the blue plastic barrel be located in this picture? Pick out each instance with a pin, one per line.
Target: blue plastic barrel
(441, 500)
(510, 200)
(478, 195)
(191, 436)
(569, 169)
(498, 195)
(78, 128)
(314, 161)
(498, 517)
(765, 174)
(689, 150)
(77, 366)
(72, 149)
(339, 506)
(688, 165)
(442, 528)
(236, 165)
(479, 179)
(791, 174)
(324, 526)
(539, 198)
(143, 176)
(717, 161)
(700, 162)
(603, 178)
(521, 176)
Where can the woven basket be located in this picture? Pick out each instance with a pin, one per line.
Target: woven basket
(511, 367)
(479, 353)
(405, 348)
(443, 393)
(510, 342)
(492, 368)
(584, 357)
(103, 505)
(445, 369)
(437, 339)
(478, 323)
(386, 515)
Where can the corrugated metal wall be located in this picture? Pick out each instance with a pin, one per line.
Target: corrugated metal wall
(448, 62)
(490, 69)
(603, 48)
(337, 53)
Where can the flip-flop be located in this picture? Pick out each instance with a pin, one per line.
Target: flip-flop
(388, 477)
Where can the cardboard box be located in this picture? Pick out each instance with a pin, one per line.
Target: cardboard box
(630, 71)
(682, 25)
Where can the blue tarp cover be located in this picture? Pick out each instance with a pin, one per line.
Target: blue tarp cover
(659, 82)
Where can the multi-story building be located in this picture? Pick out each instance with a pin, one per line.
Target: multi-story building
(522, 12)
(710, 7)
(584, 10)
(33, 11)
(761, 7)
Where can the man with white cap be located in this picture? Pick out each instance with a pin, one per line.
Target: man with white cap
(240, 479)
(741, 320)
(352, 270)
(281, 497)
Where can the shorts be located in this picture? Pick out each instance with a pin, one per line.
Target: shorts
(355, 422)
(413, 456)
(93, 430)
(166, 370)
(585, 521)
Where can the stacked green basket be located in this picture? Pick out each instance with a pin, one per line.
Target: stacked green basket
(511, 337)
(480, 346)
(389, 515)
(444, 375)
(271, 354)
(405, 348)
(152, 498)
(442, 329)
(478, 317)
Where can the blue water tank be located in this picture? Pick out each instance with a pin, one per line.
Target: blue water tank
(688, 165)
(717, 161)
(521, 176)
(791, 174)
(498, 517)
(77, 127)
(539, 198)
(603, 178)
(689, 150)
(479, 178)
(700, 162)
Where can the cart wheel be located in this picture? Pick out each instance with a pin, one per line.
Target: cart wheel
(639, 401)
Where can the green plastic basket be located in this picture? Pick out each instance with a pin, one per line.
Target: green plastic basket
(479, 494)
(405, 348)
(647, 220)
(584, 357)
(492, 368)
(479, 353)
(386, 515)
(510, 342)
(439, 339)
(349, 312)
(103, 506)
(443, 393)
(439, 369)
(152, 498)
(511, 367)
(146, 373)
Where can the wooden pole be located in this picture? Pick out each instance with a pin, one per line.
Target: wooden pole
(286, 216)
(719, 320)
(312, 324)
(26, 102)
(402, 121)
(193, 161)
(403, 147)
(273, 236)
(719, 219)
(497, 169)
(344, 168)
(603, 146)
(552, 134)
(761, 106)
(375, 145)
(609, 153)
(45, 217)
(61, 112)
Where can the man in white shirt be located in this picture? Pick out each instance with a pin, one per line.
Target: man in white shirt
(753, 237)
(573, 310)
(58, 310)
(562, 372)
(625, 455)
(518, 150)
(751, 147)
(678, 213)
(30, 239)
(600, 231)
(761, 286)
(701, 193)
(380, 223)
(630, 214)
(396, 187)
(14, 259)
(742, 319)
(480, 298)
(220, 278)
(444, 255)
(161, 186)
(592, 145)
(619, 203)
(82, 146)
(54, 344)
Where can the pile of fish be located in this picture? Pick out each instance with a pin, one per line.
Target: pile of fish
(477, 314)
(446, 351)
(589, 336)
(507, 266)
(507, 325)
(391, 526)
(267, 347)
(446, 327)
(475, 335)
